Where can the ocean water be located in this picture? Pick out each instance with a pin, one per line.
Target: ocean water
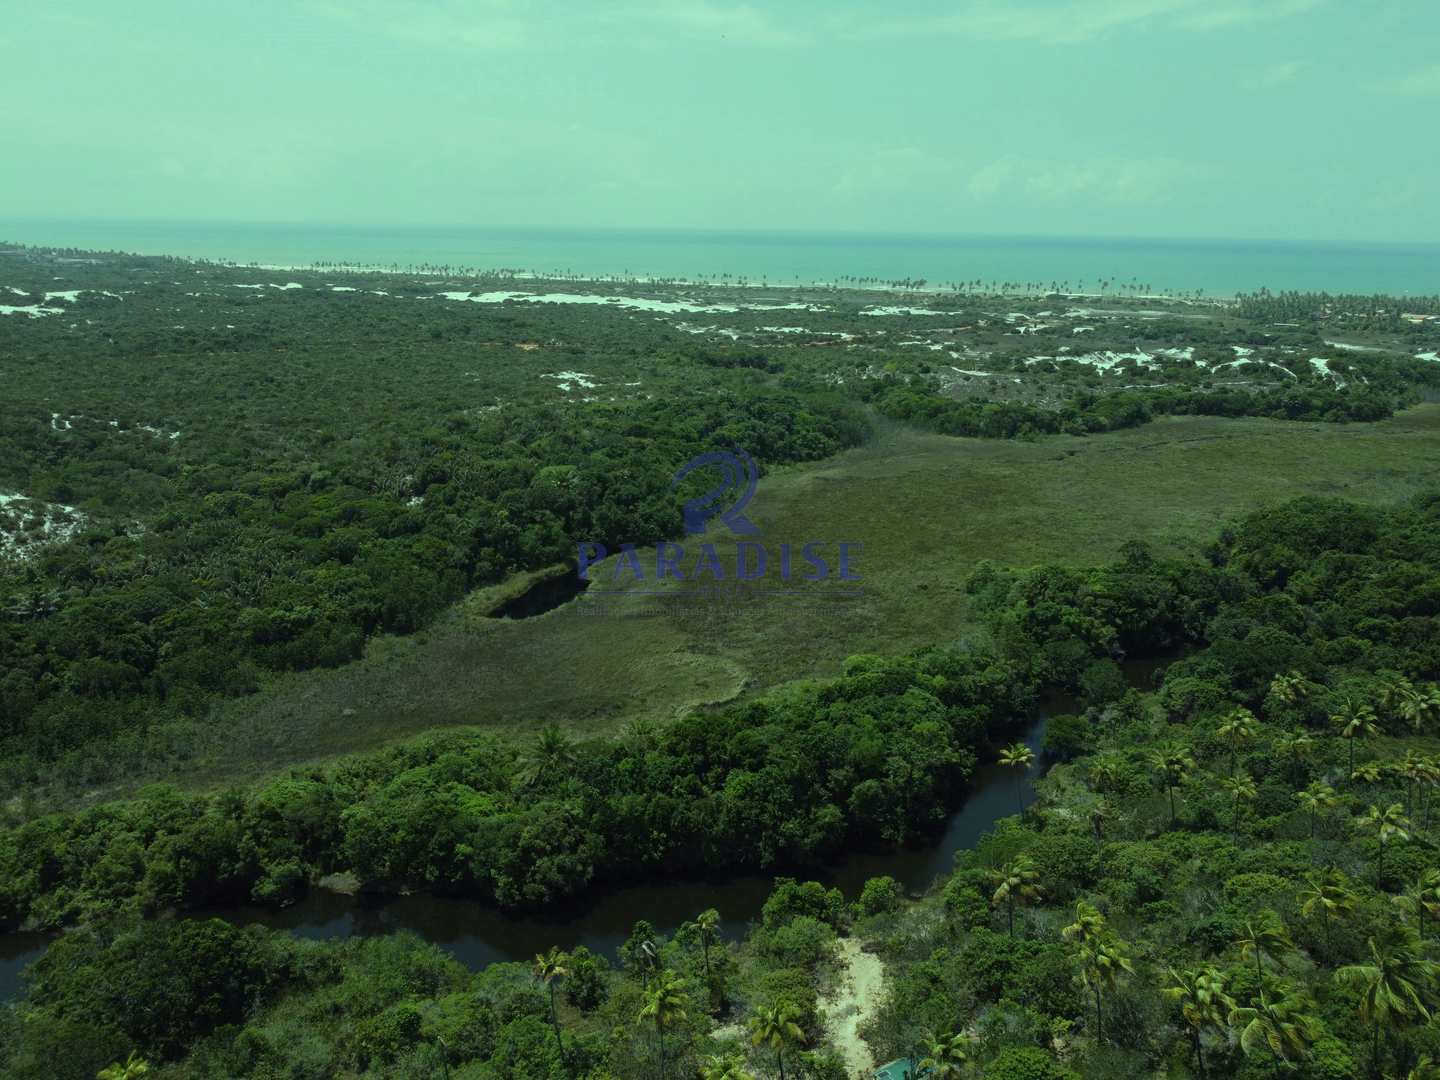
(1213, 267)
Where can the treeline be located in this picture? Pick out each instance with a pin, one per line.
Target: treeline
(1089, 413)
(251, 566)
(1375, 311)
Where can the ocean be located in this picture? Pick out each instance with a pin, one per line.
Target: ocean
(1211, 267)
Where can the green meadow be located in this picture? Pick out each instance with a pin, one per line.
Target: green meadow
(926, 508)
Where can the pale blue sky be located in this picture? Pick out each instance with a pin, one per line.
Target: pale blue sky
(1304, 119)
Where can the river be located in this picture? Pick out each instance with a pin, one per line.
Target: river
(477, 935)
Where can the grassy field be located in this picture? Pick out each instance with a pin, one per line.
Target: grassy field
(925, 507)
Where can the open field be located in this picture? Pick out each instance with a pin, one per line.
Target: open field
(925, 507)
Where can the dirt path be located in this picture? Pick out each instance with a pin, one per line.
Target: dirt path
(862, 979)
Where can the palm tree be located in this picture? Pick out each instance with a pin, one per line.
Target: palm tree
(1240, 789)
(724, 1067)
(1420, 902)
(1427, 1068)
(1089, 924)
(1355, 721)
(1016, 881)
(1419, 707)
(549, 969)
(707, 922)
(133, 1068)
(1390, 826)
(1203, 1003)
(1297, 746)
(777, 1027)
(665, 1007)
(1291, 688)
(1412, 768)
(1315, 798)
(1105, 772)
(945, 1057)
(552, 755)
(1264, 936)
(1237, 729)
(1327, 895)
(1396, 987)
(1278, 1026)
(1102, 962)
(1019, 757)
(1173, 762)
(1369, 772)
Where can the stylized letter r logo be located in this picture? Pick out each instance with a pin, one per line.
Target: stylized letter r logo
(739, 472)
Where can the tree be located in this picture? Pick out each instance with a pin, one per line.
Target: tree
(1264, 936)
(777, 1026)
(1390, 826)
(1016, 882)
(1089, 924)
(664, 1007)
(724, 1067)
(945, 1056)
(1283, 1027)
(553, 755)
(1327, 896)
(707, 922)
(1319, 796)
(1355, 720)
(1173, 762)
(132, 1068)
(1237, 728)
(1102, 963)
(1019, 757)
(1396, 987)
(1203, 1003)
(549, 969)
(1420, 902)
(1105, 772)
(1419, 707)
(1290, 688)
(1297, 747)
(1241, 789)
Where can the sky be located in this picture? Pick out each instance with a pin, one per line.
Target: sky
(1287, 119)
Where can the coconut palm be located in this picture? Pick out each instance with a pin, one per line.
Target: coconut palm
(1237, 729)
(1427, 1068)
(1419, 707)
(552, 755)
(1420, 902)
(1291, 688)
(1241, 789)
(1203, 1003)
(1173, 762)
(132, 1068)
(1296, 747)
(665, 1008)
(777, 1027)
(724, 1067)
(1105, 772)
(1327, 896)
(1103, 961)
(707, 922)
(1089, 924)
(1016, 882)
(1411, 768)
(549, 969)
(1316, 799)
(1390, 826)
(1355, 720)
(1282, 1026)
(945, 1057)
(1264, 936)
(1019, 757)
(1396, 987)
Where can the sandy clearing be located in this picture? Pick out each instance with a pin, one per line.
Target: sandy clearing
(862, 980)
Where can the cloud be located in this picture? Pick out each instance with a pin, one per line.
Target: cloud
(1274, 75)
(1423, 82)
(1058, 22)
(1114, 181)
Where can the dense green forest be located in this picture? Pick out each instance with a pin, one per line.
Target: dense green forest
(1234, 874)
(222, 475)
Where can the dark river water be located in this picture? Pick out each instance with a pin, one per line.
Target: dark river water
(477, 935)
